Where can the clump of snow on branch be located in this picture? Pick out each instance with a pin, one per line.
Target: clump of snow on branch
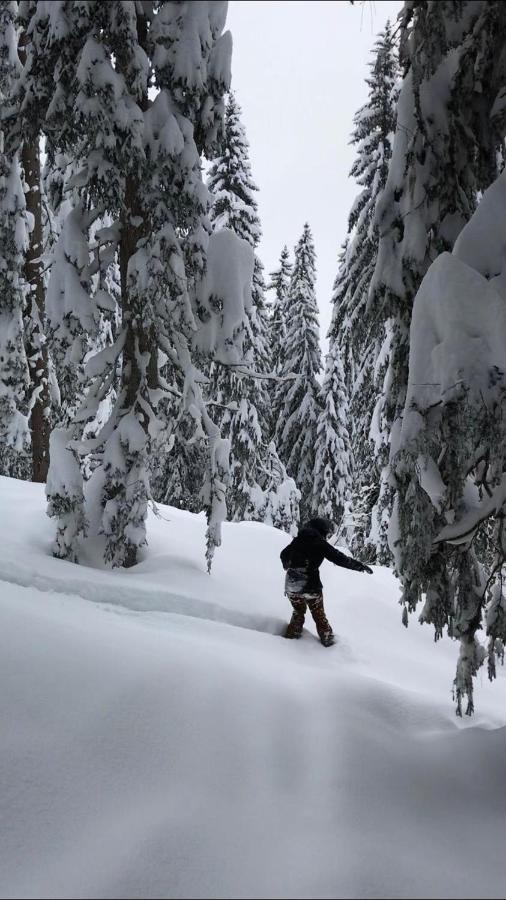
(224, 297)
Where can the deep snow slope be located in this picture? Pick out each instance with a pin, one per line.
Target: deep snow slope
(160, 739)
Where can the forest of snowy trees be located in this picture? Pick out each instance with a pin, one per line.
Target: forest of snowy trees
(146, 356)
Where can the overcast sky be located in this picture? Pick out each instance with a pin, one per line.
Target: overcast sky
(298, 69)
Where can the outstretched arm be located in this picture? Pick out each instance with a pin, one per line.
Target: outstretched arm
(340, 559)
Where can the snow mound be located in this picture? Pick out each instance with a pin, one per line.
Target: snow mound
(482, 242)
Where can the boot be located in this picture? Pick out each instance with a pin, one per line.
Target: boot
(294, 628)
(323, 626)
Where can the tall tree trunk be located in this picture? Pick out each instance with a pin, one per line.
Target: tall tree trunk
(34, 316)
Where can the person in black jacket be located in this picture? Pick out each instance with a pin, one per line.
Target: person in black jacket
(301, 560)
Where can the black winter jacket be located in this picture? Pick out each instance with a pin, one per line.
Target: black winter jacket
(303, 557)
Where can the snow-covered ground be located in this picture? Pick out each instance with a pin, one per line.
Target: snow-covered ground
(159, 739)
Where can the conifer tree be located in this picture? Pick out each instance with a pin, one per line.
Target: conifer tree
(14, 381)
(231, 182)
(445, 151)
(279, 284)
(254, 471)
(299, 400)
(441, 432)
(33, 83)
(65, 377)
(356, 328)
(138, 161)
(450, 464)
(234, 206)
(333, 462)
(178, 462)
(34, 311)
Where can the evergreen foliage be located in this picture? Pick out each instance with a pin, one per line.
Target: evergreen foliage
(255, 472)
(333, 462)
(137, 161)
(449, 129)
(299, 400)
(356, 327)
(279, 284)
(440, 423)
(231, 182)
(14, 237)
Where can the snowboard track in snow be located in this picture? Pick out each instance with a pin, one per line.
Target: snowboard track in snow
(137, 599)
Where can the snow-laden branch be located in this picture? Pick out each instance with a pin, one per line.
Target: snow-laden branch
(478, 509)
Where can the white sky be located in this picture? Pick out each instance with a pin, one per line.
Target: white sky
(299, 69)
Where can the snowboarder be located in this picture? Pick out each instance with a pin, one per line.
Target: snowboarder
(301, 560)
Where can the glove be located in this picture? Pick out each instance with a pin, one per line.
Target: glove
(367, 569)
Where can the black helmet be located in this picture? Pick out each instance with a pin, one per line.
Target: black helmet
(323, 526)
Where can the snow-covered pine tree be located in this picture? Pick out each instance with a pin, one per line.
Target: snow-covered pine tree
(180, 482)
(257, 345)
(445, 151)
(333, 460)
(234, 206)
(279, 283)
(14, 381)
(282, 496)
(35, 302)
(178, 462)
(59, 199)
(442, 428)
(231, 182)
(299, 400)
(45, 41)
(166, 269)
(450, 465)
(139, 162)
(22, 122)
(73, 318)
(356, 327)
(254, 470)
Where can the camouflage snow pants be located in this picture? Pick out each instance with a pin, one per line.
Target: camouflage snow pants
(315, 604)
